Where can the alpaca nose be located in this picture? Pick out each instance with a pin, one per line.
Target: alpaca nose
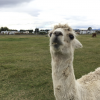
(58, 33)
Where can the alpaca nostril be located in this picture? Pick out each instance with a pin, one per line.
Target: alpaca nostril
(58, 33)
(71, 36)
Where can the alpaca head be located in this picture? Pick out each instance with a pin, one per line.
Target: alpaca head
(63, 39)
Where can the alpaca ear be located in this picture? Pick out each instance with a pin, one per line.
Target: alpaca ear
(76, 44)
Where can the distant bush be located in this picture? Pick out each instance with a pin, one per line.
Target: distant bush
(43, 33)
(98, 32)
(18, 33)
(23, 33)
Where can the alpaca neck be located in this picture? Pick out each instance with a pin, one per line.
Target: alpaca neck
(62, 67)
(63, 75)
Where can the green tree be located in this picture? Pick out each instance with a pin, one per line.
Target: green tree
(36, 30)
(4, 28)
(90, 28)
(30, 31)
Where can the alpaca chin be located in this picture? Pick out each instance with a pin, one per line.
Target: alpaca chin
(56, 49)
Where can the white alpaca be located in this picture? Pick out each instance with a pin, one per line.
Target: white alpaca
(62, 44)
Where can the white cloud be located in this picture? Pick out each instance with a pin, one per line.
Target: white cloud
(46, 13)
(4, 3)
(16, 20)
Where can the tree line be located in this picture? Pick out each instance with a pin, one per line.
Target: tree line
(36, 31)
(7, 29)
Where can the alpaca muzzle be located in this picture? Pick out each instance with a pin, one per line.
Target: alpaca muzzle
(56, 42)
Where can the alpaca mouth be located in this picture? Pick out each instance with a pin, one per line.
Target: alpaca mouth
(56, 42)
(55, 45)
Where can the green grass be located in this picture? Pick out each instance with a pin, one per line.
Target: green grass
(88, 58)
(25, 65)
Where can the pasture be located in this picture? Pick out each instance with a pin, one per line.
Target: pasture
(25, 65)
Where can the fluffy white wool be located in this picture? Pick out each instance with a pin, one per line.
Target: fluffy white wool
(66, 87)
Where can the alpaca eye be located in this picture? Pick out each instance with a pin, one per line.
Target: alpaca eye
(50, 34)
(71, 36)
(68, 29)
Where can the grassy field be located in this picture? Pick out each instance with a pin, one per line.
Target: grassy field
(25, 65)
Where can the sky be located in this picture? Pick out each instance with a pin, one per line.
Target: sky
(44, 14)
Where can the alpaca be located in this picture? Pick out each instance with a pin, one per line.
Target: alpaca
(94, 35)
(63, 42)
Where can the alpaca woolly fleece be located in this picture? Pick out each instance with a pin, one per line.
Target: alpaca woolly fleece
(63, 42)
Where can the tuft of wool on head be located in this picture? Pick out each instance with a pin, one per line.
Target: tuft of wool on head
(65, 26)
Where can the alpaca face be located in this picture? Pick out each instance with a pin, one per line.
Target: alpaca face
(63, 40)
(60, 40)
(56, 38)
